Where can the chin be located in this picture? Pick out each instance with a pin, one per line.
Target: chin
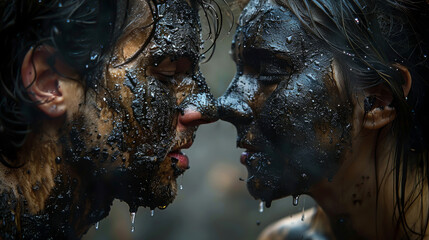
(152, 185)
(270, 179)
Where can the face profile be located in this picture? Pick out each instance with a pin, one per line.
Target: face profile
(108, 95)
(328, 100)
(287, 104)
(162, 89)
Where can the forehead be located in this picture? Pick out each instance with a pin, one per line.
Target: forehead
(137, 11)
(170, 27)
(268, 26)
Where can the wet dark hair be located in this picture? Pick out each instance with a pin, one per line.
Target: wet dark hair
(82, 32)
(370, 37)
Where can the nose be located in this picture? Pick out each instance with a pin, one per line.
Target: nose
(197, 109)
(233, 107)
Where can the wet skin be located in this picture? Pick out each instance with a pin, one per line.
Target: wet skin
(285, 104)
(124, 139)
(164, 82)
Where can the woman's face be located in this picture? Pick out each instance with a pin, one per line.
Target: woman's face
(285, 103)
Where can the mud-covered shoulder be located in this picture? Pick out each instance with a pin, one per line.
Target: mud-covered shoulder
(313, 226)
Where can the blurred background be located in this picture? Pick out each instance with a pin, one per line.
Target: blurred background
(213, 204)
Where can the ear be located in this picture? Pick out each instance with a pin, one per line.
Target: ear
(39, 72)
(377, 105)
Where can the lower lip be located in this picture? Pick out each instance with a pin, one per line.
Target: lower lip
(182, 160)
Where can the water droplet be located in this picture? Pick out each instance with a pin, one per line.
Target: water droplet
(303, 211)
(152, 212)
(94, 56)
(261, 207)
(97, 224)
(133, 219)
(289, 39)
(58, 160)
(295, 200)
(181, 185)
(357, 20)
(60, 5)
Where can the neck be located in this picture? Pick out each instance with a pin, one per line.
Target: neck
(359, 199)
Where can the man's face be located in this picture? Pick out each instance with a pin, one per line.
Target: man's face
(284, 102)
(148, 105)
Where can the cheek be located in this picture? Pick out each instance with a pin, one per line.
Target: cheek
(308, 110)
(153, 108)
(145, 108)
(307, 125)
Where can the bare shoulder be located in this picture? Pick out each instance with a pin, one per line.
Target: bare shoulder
(314, 226)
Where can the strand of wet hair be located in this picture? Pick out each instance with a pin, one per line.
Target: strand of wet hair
(156, 18)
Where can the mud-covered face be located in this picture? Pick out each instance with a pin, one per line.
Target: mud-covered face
(150, 101)
(285, 103)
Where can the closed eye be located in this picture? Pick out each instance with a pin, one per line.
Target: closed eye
(168, 69)
(269, 66)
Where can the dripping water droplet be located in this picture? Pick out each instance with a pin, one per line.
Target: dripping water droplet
(97, 224)
(295, 200)
(303, 211)
(181, 185)
(261, 207)
(152, 212)
(133, 218)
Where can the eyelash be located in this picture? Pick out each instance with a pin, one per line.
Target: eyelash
(166, 80)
